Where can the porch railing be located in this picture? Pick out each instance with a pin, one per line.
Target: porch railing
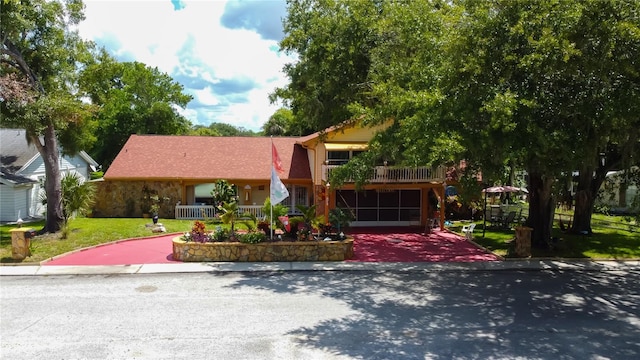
(203, 212)
(195, 212)
(389, 174)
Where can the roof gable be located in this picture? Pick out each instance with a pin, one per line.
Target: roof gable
(17, 154)
(15, 151)
(348, 131)
(13, 180)
(206, 158)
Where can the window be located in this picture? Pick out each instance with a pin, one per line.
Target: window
(297, 196)
(341, 157)
(338, 157)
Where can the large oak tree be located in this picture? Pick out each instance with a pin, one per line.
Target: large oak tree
(39, 56)
(543, 86)
(549, 84)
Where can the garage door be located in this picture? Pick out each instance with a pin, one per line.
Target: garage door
(381, 207)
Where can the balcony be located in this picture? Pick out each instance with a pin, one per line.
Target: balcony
(398, 175)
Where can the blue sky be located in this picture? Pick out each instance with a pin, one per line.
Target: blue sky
(224, 53)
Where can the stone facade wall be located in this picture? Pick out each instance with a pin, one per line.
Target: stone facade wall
(263, 252)
(125, 198)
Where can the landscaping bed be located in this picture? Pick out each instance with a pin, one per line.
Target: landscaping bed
(316, 250)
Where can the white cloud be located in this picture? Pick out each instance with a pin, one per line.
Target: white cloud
(230, 72)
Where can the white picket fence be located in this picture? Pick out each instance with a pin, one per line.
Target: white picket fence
(204, 212)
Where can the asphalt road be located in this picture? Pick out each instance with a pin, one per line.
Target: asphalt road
(323, 315)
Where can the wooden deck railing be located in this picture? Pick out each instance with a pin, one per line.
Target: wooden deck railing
(389, 174)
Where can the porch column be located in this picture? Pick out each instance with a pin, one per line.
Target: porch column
(424, 202)
(326, 203)
(441, 192)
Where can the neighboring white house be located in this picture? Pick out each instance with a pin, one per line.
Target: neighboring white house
(23, 174)
(15, 195)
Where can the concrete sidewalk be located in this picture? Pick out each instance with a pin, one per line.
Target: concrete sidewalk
(214, 267)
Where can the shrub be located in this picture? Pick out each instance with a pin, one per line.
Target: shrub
(340, 218)
(77, 196)
(219, 234)
(252, 237)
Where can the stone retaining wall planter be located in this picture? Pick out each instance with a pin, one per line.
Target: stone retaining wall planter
(262, 252)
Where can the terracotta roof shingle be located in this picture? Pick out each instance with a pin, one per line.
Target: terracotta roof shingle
(200, 158)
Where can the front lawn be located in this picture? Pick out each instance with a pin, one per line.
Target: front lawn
(605, 243)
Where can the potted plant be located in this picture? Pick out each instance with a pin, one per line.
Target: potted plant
(155, 209)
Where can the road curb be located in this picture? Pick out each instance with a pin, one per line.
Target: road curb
(214, 267)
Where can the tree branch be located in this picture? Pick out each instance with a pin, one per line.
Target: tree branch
(12, 51)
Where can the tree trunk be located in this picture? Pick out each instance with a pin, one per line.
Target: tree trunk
(587, 191)
(50, 156)
(622, 193)
(540, 209)
(582, 212)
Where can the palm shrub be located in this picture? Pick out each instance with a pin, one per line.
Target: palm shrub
(251, 223)
(310, 218)
(77, 196)
(278, 210)
(229, 214)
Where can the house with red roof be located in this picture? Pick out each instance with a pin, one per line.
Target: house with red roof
(181, 170)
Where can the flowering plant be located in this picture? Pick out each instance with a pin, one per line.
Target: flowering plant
(198, 232)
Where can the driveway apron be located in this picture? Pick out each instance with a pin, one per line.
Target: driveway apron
(398, 244)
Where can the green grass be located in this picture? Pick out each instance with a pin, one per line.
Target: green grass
(605, 243)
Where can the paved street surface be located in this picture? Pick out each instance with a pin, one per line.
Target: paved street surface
(323, 315)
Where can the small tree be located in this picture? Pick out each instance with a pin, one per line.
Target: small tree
(223, 192)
